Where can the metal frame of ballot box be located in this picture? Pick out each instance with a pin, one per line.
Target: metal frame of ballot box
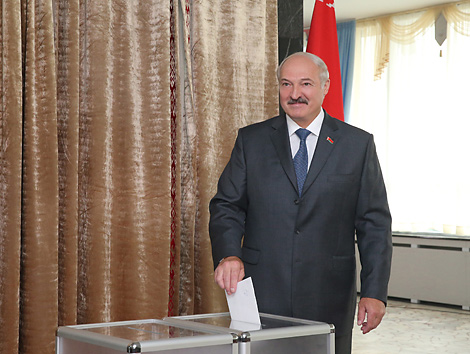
(143, 336)
(278, 334)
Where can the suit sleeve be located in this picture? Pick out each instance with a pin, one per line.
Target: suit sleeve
(373, 229)
(228, 207)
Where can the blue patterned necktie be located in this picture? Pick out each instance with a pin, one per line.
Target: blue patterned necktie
(301, 158)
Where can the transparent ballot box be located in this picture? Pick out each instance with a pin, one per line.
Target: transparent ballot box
(144, 336)
(276, 335)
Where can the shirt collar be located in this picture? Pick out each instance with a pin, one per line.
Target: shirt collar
(314, 127)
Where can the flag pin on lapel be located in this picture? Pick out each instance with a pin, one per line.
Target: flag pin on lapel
(331, 141)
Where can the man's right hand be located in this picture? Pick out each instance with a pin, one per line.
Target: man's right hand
(228, 273)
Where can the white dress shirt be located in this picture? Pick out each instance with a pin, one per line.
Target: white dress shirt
(312, 138)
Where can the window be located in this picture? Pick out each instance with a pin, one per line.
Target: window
(414, 96)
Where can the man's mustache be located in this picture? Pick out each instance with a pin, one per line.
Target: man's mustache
(298, 100)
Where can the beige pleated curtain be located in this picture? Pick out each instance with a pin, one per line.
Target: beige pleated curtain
(116, 120)
(384, 28)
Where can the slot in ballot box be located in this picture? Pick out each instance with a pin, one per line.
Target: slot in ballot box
(277, 334)
(144, 336)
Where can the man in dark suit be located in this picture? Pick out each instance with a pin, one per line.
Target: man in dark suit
(290, 205)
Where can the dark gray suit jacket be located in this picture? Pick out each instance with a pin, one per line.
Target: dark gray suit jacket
(300, 251)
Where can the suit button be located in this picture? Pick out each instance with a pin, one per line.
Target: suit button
(297, 232)
(296, 202)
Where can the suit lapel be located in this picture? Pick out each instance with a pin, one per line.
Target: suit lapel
(328, 139)
(280, 140)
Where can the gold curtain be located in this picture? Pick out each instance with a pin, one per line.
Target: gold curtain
(10, 173)
(386, 28)
(231, 56)
(112, 140)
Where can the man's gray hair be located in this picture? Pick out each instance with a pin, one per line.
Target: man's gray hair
(324, 74)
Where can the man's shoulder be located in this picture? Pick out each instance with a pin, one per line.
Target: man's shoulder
(345, 128)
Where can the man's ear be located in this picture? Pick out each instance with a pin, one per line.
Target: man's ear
(326, 87)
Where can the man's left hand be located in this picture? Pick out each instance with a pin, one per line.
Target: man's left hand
(375, 311)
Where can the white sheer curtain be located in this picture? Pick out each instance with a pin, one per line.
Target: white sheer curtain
(417, 104)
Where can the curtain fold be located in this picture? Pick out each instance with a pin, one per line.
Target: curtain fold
(68, 103)
(405, 28)
(124, 161)
(11, 87)
(188, 152)
(39, 243)
(459, 17)
(116, 120)
(346, 44)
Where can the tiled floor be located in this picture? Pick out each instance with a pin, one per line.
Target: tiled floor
(416, 328)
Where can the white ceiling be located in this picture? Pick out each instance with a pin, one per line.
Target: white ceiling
(359, 9)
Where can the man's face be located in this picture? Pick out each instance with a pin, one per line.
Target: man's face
(300, 90)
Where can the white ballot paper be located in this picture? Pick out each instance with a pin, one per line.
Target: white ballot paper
(243, 307)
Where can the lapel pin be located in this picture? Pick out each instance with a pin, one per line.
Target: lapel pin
(331, 141)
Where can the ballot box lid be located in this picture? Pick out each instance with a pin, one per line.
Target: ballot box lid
(142, 336)
(272, 326)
